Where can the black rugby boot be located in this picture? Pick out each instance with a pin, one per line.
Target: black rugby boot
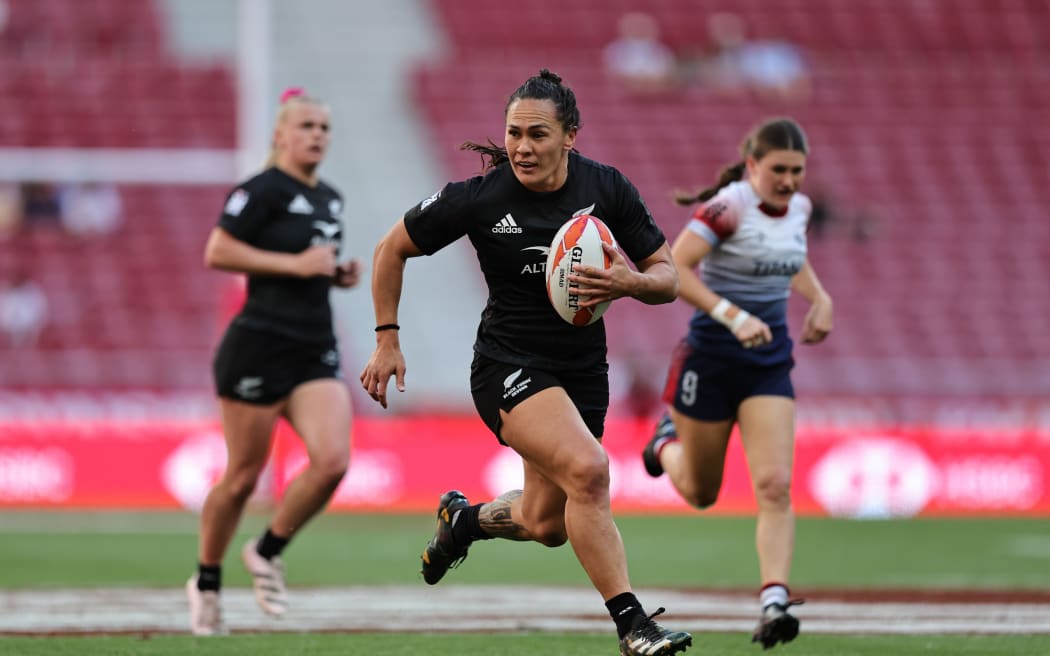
(776, 625)
(442, 553)
(647, 638)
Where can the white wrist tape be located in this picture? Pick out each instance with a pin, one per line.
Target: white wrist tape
(721, 309)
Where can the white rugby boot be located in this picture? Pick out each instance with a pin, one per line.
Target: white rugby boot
(267, 580)
(205, 610)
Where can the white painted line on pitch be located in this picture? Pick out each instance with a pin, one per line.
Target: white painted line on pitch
(489, 609)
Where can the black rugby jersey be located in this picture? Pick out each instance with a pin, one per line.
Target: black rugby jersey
(511, 229)
(275, 212)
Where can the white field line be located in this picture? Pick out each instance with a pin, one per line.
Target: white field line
(488, 609)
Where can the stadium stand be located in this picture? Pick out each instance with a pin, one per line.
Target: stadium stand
(134, 309)
(927, 122)
(96, 73)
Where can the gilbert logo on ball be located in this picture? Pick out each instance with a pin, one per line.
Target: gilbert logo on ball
(578, 242)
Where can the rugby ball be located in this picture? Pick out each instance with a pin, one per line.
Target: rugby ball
(579, 241)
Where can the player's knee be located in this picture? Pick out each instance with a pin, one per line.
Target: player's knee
(773, 489)
(588, 476)
(240, 485)
(701, 497)
(330, 468)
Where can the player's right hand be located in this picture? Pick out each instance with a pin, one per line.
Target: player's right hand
(386, 361)
(753, 332)
(317, 261)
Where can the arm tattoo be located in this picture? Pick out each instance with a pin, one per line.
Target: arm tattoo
(495, 518)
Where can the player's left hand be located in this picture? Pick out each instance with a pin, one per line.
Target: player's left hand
(347, 274)
(596, 285)
(818, 323)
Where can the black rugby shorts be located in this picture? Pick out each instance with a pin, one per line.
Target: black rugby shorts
(257, 367)
(499, 386)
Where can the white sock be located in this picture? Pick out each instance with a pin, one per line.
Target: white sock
(773, 593)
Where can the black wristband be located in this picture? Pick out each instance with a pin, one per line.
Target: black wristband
(388, 326)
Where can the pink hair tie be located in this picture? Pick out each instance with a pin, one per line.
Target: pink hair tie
(291, 92)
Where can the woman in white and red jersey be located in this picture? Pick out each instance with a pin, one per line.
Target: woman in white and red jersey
(749, 239)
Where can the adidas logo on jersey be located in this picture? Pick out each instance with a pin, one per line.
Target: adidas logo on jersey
(507, 225)
(300, 205)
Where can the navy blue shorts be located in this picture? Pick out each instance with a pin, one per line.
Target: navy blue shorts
(499, 386)
(709, 389)
(258, 367)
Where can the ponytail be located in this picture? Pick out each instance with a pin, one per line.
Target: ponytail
(492, 155)
(729, 175)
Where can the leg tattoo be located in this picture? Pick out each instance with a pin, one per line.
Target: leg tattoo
(495, 518)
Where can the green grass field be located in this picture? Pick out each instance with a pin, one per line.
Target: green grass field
(567, 644)
(52, 550)
(133, 549)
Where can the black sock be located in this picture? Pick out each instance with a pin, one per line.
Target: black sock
(271, 545)
(209, 577)
(466, 526)
(624, 607)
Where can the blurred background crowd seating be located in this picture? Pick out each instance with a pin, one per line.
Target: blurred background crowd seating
(929, 162)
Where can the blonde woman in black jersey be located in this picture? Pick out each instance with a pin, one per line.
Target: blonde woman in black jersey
(279, 356)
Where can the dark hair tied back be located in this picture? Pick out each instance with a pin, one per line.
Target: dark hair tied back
(547, 85)
(726, 176)
(773, 134)
(548, 74)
